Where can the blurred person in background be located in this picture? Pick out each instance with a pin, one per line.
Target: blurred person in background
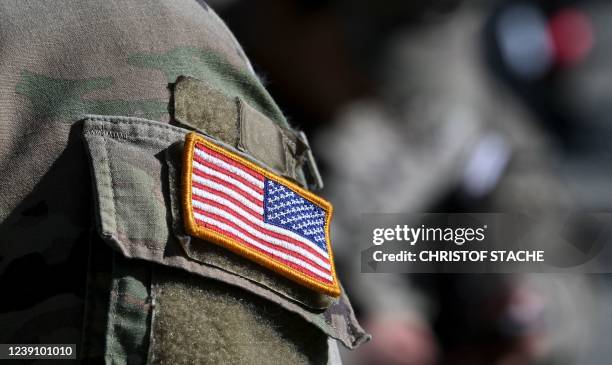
(409, 116)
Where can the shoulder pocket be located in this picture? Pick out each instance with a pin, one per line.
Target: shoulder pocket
(136, 166)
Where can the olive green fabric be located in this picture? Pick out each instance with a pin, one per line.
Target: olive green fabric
(230, 326)
(234, 121)
(206, 109)
(264, 140)
(217, 71)
(129, 315)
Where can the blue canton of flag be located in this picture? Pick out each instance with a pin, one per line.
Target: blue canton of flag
(288, 210)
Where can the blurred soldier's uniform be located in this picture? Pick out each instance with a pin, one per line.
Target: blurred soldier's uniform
(444, 136)
(92, 249)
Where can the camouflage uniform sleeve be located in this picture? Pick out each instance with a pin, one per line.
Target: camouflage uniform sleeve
(92, 249)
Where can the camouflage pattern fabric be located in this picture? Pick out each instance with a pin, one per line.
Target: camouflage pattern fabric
(60, 279)
(130, 170)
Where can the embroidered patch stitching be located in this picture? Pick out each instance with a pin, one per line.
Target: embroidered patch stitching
(257, 214)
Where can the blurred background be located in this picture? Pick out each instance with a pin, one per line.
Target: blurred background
(452, 106)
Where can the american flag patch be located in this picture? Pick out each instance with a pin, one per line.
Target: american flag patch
(255, 213)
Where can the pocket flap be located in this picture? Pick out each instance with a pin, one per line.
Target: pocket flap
(135, 166)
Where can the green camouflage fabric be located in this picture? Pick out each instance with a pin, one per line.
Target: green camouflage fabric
(136, 174)
(117, 286)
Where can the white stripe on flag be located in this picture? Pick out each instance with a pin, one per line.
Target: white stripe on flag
(236, 170)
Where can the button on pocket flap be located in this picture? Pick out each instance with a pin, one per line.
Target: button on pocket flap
(136, 169)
